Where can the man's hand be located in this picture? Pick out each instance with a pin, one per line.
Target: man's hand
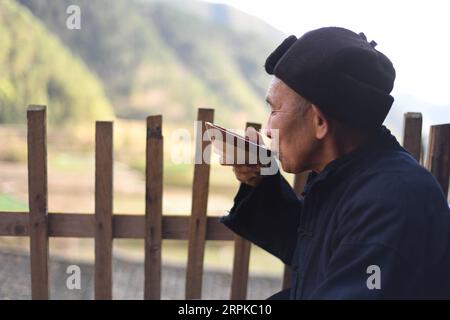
(249, 174)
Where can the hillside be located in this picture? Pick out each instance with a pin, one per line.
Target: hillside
(36, 68)
(156, 57)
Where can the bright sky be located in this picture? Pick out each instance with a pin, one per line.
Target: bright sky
(415, 35)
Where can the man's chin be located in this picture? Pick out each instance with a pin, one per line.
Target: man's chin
(290, 168)
(286, 167)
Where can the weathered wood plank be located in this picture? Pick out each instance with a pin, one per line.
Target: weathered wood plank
(438, 161)
(198, 222)
(153, 208)
(15, 224)
(103, 209)
(412, 134)
(125, 226)
(38, 201)
(241, 262)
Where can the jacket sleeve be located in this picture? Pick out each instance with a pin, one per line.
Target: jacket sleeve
(267, 215)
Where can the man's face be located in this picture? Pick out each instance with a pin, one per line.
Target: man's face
(291, 116)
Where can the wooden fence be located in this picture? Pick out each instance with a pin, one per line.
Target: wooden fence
(153, 227)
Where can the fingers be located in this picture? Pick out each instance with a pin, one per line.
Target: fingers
(250, 175)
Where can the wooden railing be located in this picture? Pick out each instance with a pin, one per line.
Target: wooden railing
(105, 225)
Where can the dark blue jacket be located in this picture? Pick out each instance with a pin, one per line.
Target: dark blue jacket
(375, 206)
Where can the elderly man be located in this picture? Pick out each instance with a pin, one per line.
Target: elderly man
(371, 222)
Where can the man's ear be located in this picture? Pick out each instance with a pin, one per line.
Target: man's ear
(320, 123)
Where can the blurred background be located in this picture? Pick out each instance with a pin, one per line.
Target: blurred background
(134, 58)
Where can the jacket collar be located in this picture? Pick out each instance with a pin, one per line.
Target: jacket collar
(382, 141)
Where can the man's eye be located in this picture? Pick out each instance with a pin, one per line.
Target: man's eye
(272, 113)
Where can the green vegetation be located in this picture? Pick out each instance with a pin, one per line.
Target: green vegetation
(156, 57)
(167, 57)
(150, 57)
(11, 204)
(35, 68)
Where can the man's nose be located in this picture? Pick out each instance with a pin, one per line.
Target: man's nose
(268, 132)
(268, 128)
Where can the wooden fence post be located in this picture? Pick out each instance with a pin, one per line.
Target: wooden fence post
(412, 134)
(239, 280)
(38, 201)
(198, 220)
(438, 161)
(103, 209)
(153, 208)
